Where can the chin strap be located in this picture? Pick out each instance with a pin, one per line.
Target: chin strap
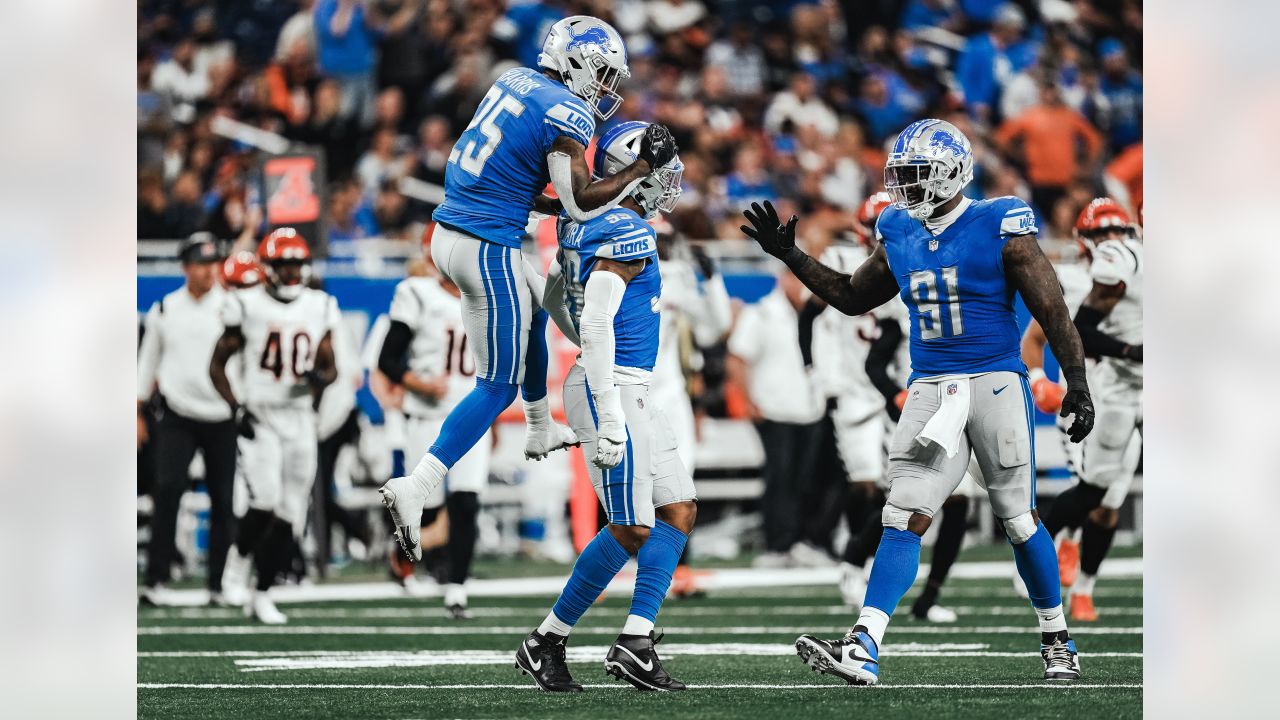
(560, 168)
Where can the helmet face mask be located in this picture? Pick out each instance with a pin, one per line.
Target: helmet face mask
(286, 263)
(930, 163)
(660, 191)
(591, 59)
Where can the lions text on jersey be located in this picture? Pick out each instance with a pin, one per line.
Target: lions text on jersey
(280, 341)
(962, 317)
(499, 164)
(618, 235)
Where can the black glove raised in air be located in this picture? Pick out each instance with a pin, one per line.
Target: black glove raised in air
(1077, 402)
(775, 238)
(657, 146)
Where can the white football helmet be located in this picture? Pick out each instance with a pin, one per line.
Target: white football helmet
(618, 148)
(930, 162)
(590, 57)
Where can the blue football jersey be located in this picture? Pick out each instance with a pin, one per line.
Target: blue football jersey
(499, 164)
(620, 234)
(962, 316)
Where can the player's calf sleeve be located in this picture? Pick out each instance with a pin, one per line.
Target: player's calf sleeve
(274, 554)
(1037, 563)
(955, 520)
(1095, 541)
(655, 563)
(536, 359)
(464, 508)
(897, 561)
(600, 560)
(1071, 507)
(253, 528)
(470, 420)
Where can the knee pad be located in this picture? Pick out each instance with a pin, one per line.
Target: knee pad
(1021, 528)
(895, 517)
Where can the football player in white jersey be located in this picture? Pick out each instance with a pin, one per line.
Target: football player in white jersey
(696, 313)
(1109, 319)
(284, 330)
(425, 351)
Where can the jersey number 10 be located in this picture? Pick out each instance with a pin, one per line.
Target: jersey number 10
(496, 102)
(932, 306)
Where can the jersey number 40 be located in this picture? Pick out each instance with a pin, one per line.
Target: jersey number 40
(273, 355)
(933, 307)
(473, 156)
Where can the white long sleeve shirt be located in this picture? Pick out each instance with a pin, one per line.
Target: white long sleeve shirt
(176, 348)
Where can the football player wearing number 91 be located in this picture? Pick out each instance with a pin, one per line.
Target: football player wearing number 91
(956, 264)
(533, 126)
(604, 294)
(285, 330)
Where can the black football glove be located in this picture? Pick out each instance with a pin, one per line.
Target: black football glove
(706, 265)
(1077, 401)
(1132, 352)
(775, 238)
(657, 146)
(244, 422)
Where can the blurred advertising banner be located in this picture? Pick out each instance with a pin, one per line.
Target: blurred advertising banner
(292, 189)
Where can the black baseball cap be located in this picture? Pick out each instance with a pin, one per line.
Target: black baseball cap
(201, 247)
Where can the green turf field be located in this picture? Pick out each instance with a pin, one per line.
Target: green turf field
(401, 659)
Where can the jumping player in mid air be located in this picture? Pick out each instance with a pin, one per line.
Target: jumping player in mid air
(956, 264)
(532, 126)
(609, 281)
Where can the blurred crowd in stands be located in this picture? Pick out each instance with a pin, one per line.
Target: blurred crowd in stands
(790, 100)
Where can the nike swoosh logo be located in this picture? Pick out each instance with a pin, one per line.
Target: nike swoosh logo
(997, 392)
(646, 666)
(532, 664)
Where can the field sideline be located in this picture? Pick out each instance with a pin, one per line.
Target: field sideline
(398, 657)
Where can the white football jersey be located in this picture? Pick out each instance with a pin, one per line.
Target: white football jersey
(1076, 281)
(439, 345)
(841, 343)
(1120, 261)
(280, 341)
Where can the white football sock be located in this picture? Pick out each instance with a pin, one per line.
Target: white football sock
(555, 625)
(637, 625)
(537, 413)
(1051, 619)
(876, 622)
(455, 594)
(1084, 584)
(429, 473)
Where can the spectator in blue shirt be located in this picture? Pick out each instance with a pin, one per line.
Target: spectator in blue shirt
(531, 22)
(346, 50)
(883, 115)
(1122, 86)
(930, 13)
(748, 182)
(984, 65)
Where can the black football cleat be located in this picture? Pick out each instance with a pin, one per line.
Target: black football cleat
(541, 657)
(635, 659)
(1061, 660)
(458, 612)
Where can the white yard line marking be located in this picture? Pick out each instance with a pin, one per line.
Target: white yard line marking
(904, 629)
(783, 582)
(622, 686)
(432, 612)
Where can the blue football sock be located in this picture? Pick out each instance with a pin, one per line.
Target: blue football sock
(535, 360)
(897, 561)
(1037, 562)
(600, 560)
(655, 562)
(470, 420)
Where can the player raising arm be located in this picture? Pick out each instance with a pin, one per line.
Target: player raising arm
(956, 264)
(533, 126)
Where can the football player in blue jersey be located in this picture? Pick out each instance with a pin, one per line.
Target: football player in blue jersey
(605, 295)
(957, 264)
(532, 126)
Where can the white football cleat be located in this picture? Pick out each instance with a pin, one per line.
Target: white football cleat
(235, 578)
(405, 500)
(811, 556)
(543, 439)
(939, 614)
(853, 585)
(265, 611)
(853, 658)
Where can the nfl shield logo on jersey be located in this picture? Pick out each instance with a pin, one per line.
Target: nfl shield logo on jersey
(951, 389)
(933, 245)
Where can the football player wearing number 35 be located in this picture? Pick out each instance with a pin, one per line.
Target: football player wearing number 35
(284, 329)
(533, 126)
(956, 263)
